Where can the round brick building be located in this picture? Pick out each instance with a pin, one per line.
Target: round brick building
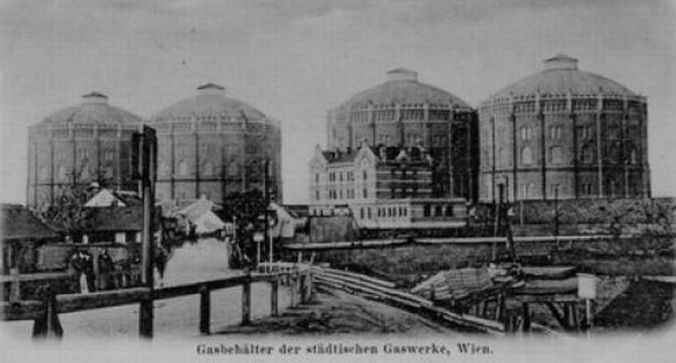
(564, 132)
(214, 145)
(88, 142)
(405, 112)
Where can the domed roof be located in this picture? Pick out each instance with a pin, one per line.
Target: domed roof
(94, 109)
(560, 77)
(210, 102)
(402, 87)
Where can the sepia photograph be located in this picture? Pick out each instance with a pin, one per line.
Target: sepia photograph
(344, 181)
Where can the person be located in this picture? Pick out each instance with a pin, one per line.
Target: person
(160, 263)
(105, 268)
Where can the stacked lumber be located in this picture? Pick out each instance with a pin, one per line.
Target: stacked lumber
(454, 284)
(384, 291)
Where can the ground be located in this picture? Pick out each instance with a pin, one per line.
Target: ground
(337, 312)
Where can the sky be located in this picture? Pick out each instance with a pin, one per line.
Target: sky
(295, 59)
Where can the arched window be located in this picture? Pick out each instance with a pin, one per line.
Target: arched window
(586, 154)
(233, 169)
(208, 168)
(62, 172)
(555, 154)
(182, 168)
(44, 173)
(526, 156)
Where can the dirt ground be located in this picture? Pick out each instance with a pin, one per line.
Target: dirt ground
(337, 312)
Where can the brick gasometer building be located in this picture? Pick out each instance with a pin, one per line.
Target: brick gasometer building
(90, 141)
(213, 145)
(567, 130)
(403, 112)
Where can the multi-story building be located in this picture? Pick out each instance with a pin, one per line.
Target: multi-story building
(214, 145)
(404, 112)
(382, 188)
(84, 143)
(564, 132)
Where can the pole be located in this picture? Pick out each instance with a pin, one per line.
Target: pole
(148, 154)
(556, 212)
(590, 316)
(268, 234)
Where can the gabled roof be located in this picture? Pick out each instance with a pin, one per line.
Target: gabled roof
(104, 198)
(20, 223)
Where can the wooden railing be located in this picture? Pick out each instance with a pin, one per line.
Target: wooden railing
(45, 312)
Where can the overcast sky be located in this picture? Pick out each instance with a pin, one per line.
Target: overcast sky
(294, 60)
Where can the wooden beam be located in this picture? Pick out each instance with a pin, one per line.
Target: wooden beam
(68, 303)
(205, 309)
(560, 318)
(274, 297)
(246, 302)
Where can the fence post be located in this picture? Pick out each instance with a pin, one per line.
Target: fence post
(526, 317)
(310, 286)
(274, 296)
(246, 299)
(302, 286)
(145, 320)
(293, 279)
(48, 326)
(205, 309)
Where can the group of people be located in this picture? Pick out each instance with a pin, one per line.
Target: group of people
(81, 262)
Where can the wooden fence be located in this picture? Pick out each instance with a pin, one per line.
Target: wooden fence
(45, 312)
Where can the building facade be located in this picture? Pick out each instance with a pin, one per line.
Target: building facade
(383, 188)
(88, 142)
(213, 145)
(403, 112)
(564, 133)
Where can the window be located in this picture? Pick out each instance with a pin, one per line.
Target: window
(526, 156)
(364, 175)
(586, 155)
(438, 211)
(208, 168)
(365, 193)
(341, 176)
(427, 211)
(316, 194)
(316, 178)
(361, 213)
(633, 159)
(233, 169)
(182, 168)
(392, 192)
(554, 188)
(109, 155)
(449, 211)
(368, 212)
(555, 132)
(525, 132)
(555, 154)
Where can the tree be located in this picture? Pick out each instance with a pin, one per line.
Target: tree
(246, 211)
(67, 212)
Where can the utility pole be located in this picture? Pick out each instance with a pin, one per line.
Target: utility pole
(144, 158)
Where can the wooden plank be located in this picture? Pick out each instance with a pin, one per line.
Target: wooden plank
(67, 303)
(364, 286)
(194, 288)
(36, 276)
(274, 297)
(355, 276)
(22, 310)
(556, 272)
